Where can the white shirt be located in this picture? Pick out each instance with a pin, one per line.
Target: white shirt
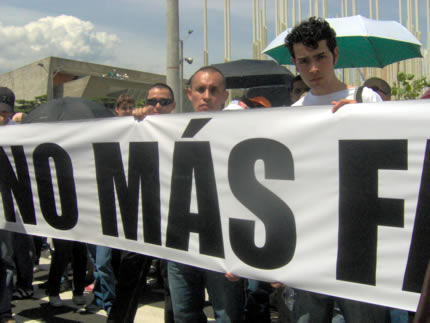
(368, 95)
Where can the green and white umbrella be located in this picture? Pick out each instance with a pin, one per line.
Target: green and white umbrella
(362, 42)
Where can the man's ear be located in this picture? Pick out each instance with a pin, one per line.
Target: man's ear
(293, 60)
(336, 55)
(189, 93)
(173, 106)
(225, 95)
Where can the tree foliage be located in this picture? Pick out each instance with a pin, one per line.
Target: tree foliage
(141, 103)
(107, 101)
(28, 105)
(407, 88)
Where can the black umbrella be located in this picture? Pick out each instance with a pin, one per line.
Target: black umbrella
(67, 109)
(247, 73)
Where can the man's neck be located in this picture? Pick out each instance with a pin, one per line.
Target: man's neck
(335, 86)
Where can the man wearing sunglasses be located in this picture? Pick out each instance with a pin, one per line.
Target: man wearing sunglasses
(159, 100)
(134, 267)
(379, 86)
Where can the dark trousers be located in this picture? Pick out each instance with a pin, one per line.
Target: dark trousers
(313, 307)
(133, 270)
(168, 308)
(65, 249)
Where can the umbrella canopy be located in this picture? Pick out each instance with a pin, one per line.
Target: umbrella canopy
(362, 42)
(67, 109)
(247, 73)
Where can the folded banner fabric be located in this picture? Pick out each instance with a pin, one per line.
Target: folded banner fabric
(332, 203)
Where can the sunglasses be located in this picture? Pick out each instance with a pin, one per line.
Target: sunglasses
(378, 89)
(163, 102)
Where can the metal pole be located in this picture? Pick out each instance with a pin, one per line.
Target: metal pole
(428, 38)
(400, 65)
(417, 20)
(172, 48)
(377, 9)
(293, 13)
(181, 75)
(400, 12)
(299, 13)
(264, 40)
(225, 32)
(371, 9)
(205, 36)
(417, 62)
(325, 9)
(228, 32)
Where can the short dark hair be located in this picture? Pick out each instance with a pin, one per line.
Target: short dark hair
(209, 69)
(161, 86)
(383, 86)
(7, 98)
(309, 33)
(124, 99)
(296, 78)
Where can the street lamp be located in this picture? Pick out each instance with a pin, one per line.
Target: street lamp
(189, 60)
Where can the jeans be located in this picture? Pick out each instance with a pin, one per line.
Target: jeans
(187, 288)
(105, 281)
(313, 307)
(168, 308)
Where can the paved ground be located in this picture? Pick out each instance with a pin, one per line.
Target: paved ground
(37, 309)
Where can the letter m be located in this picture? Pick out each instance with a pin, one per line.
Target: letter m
(143, 171)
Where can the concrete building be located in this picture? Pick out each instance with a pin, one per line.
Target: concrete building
(60, 77)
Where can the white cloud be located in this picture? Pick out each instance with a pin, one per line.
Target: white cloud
(64, 36)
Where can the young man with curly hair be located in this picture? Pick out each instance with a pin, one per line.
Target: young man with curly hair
(313, 48)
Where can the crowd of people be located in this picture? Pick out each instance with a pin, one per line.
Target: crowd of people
(121, 276)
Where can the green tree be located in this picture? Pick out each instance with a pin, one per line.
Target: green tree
(407, 88)
(107, 101)
(141, 103)
(28, 105)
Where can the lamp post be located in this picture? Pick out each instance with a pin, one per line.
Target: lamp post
(189, 60)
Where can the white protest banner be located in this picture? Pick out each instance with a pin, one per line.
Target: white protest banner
(331, 203)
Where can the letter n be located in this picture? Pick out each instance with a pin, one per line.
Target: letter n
(19, 184)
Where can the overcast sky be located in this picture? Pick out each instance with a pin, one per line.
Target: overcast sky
(131, 33)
